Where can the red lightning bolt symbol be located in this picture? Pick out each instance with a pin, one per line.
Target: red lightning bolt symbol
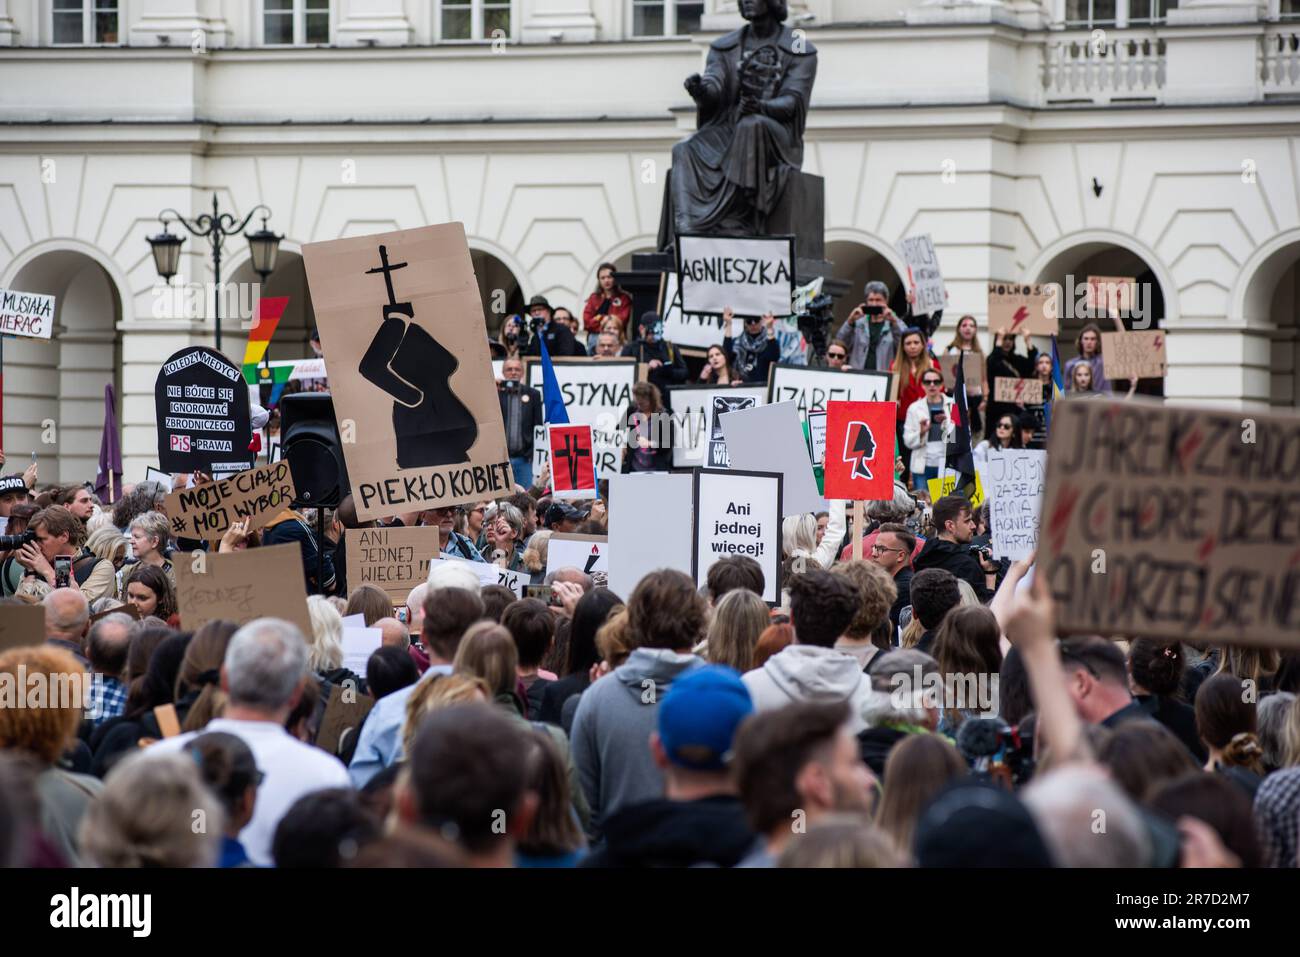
(1060, 520)
(1189, 446)
(1020, 316)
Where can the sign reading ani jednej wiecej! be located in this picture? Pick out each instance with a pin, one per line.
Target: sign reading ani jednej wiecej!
(202, 405)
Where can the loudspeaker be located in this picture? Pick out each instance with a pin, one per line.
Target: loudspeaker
(309, 442)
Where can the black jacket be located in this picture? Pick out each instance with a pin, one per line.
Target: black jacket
(521, 411)
(559, 342)
(673, 370)
(1177, 717)
(958, 559)
(771, 353)
(663, 833)
(1006, 365)
(557, 692)
(903, 582)
(875, 745)
(294, 529)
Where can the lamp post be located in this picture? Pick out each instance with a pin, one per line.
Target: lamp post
(263, 246)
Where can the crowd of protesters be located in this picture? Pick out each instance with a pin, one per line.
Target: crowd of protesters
(909, 708)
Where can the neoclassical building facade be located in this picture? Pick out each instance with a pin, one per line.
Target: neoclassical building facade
(1033, 142)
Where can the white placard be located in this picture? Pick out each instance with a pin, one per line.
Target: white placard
(490, 574)
(811, 388)
(817, 435)
(1015, 494)
(587, 553)
(770, 439)
(738, 513)
(640, 541)
(694, 331)
(752, 276)
(697, 433)
(496, 369)
(164, 479)
(26, 314)
(358, 645)
(927, 280)
(596, 393)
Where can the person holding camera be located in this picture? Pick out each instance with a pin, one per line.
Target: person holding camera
(873, 344)
(559, 339)
(950, 547)
(755, 349)
(521, 411)
(54, 558)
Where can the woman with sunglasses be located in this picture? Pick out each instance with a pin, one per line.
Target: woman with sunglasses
(755, 349)
(1005, 436)
(928, 428)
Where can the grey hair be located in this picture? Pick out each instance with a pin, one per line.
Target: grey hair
(514, 518)
(119, 619)
(1271, 718)
(583, 578)
(326, 651)
(1067, 804)
(876, 286)
(266, 660)
(898, 509)
(154, 525)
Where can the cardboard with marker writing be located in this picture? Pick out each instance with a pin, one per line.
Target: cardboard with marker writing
(240, 586)
(1133, 355)
(393, 559)
(1173, 522)
(1009, 389)
(750, 275)
(1022, 307)
(207, 511)
(344, 712)
(21, 625)
(406, 349)
(972, 363)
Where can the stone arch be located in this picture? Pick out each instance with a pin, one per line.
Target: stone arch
(1266, 297)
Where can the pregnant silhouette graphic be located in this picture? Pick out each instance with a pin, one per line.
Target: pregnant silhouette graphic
(433, 427)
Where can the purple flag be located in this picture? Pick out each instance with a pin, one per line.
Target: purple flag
(108, 481)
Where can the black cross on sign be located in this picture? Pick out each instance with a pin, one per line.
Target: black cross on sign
(387, 270)
(573, 454)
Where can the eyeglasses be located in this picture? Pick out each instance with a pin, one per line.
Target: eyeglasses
(931, 382)
(836, 355)
(1004, 425)
(878, 549)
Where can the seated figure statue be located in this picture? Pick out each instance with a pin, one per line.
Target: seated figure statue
(752, 99)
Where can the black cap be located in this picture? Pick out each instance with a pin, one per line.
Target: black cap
(648, 319)
(539, 301)
(12, 483)
(561, 512)
(972, 824)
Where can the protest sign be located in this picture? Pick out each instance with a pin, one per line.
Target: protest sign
(406, 349)
(809, 388)
(1015, 499)
(738, 513)
(973, 365)
(239, 586)
(393, 559)
(21, 625)
(587, 553)
(817, 436)
(573, 470)
(923, 270)
(859, 463)
(490, 573)
(640, 541)
(164, 479)
(751, 276)
(207, 511)
(1111, 295)
(698, 438)
(358, 645)
(344, 713)
(769, 438)
(688, 330)
(947, 484)
(202, 408)
(1007, 389)
(27, 314)
(1173, 522)
(595, 393)
(1132, 355)
(1019, 307)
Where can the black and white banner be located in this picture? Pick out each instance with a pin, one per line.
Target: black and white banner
(739, 513)
(752, 276)
(202, 407)
(27, 314)
(688, 330)
(698, 433)
(597, 392)
(811, 388)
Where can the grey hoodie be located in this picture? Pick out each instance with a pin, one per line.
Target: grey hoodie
(807, 674)
(611, 731)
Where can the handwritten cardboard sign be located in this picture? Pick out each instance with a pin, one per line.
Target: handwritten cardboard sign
(972, 363)
(344, 711)
(1111, 295)
(752, 276)
(240, 586)
(1133, 355)
(393, 559)
(1173, 522)
(28, 314)
(207, 511)
(1028, 391)
(923, 270)
(1015, 498)
(1023, 307)
(21, 625)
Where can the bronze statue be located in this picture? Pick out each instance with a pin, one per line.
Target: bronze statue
(752, 99)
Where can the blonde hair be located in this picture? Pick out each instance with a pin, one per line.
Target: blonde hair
(325, 643)
(488, 652)
(104, 543)
(968, 596)
(799, 535)
(912, 633)
(613, 640)
(535, 554)
(841, 840)
(440, 691)
(737, 622)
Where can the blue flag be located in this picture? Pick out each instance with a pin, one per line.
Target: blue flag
(1058, 387)
(552, 401)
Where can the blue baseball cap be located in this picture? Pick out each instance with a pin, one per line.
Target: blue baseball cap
(699, 715)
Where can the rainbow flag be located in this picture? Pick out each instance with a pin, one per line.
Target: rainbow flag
(269, 311)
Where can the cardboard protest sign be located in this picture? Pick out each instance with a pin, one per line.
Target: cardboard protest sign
(595, 393)
(769, 438)
(751, 276)
(640, 541)
(698, 438)
(1019, 307)
(859, 462)
(1111, 295)
(973, 365)
(738, 513)
(688, 330)
(812, 388)
(393, 559)
(239, 586)
(207, 511)
(946, 484)
(202, 408)
(21, 625)
(27, 314)
(345, 710)
(1017, 477)
(490, 574)
(1028, 391)
(588, 553)
(1133, 355)
(406, 349)
(573, 467)
(923, 270)
(1173, 522)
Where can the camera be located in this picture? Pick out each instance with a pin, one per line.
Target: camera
(873, 310)
(814, 323)
(14, 542)
(509, 385)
